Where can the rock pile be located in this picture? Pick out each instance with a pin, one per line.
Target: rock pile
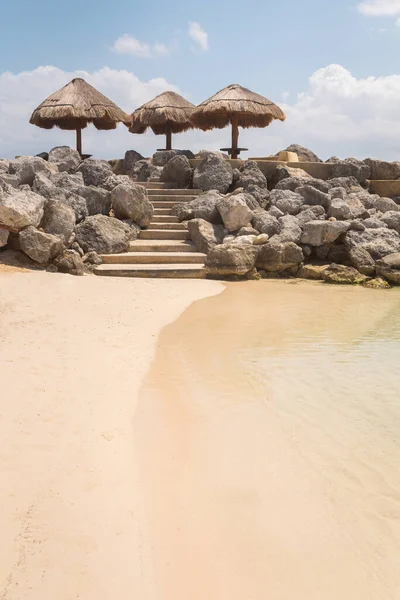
(69, 211)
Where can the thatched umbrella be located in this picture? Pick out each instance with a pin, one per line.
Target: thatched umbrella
(166, 114)
(76, 105)
(238, 106)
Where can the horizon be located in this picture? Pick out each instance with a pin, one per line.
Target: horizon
(340, 98)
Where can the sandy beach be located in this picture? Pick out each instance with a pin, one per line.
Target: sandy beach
(73, 353)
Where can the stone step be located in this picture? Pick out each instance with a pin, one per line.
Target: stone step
(171, 192)
(152, 185)
(162, 246)
(164, 218)
(175, 226)
(154, 258)
(171, 198)
(177, 271)
(164, 234)
(162, 211)
(164, 204)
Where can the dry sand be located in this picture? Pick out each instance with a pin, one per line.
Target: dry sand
(73, 352)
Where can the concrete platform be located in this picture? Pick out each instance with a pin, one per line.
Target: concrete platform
(385, 188)
(154, 258)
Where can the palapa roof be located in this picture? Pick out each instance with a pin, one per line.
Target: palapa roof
(75, 105)
(168, 111)
(251, 109)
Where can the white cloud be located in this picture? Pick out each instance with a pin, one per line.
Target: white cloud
(379, 8)
(127, 44)
(335, 114)
(198, 35)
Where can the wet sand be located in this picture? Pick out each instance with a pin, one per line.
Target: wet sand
(267, 439)
(73, 353)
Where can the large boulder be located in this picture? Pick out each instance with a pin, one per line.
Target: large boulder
(378, 242)
(130, 160)
(292, 183)
(290, 230)
(362, 260)
(45, 187)
(65, 158)
(213, 173)
(111, 182)
(250, 174)
(94, 171)
(392, 220)
(284, 172)
(380, 169)
(341, 274)
(162, 157)
(317, 233)
(205, 235)
(39, 246)
(131, 202)
(26, 167)
(202, 207)
(231, 259)
(147, 172)
(98, 200)
(70, 262)
(20, 208)
(104, 235)
(389, 267)
(234, 212)
(304, 154)
(351, 167)
(66, 180)
(385, 204)
(260, 195)
(288, 202)
(58, 219)
(343, 206)
(275, 257)
(4, 165)
(313, 196)
(350, 184)
(265, 223)
(178, 172)
(12, 180)
(310, 213)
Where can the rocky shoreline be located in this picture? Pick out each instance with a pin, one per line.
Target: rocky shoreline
(61, 213)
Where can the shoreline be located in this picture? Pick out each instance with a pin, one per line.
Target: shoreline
(74, 353)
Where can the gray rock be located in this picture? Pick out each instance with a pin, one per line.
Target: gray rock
(20, 208)
(111, 182)
(39, 246)
(135, 229)
(357, 225)
(77, 203)
(286, 201)
(205, 235)
(131, 202)
(66, 180)
(92, 258)
(292, 183)
(94, 171)
(147, 172)
(213, 173)
(341, 274)
(98, 200)
(265, 223)
(339, 209)
(380, 169)
(275, 257)
(70, 262)
(251, 175)
(338, 253)
(378, 242)
(275, 212)
(231, 259)
(284, 172)
(234, 212)
(351, 167)
(362, 260)
(26, 167)
(75, 246)
(385, 204)
(314, 197)
(130, 160)
(4, 165)
(290, 230)
(389, 267)
(350, 184)
(242, 240)
(313, 272)
(392, 220)
(373, 223)
(260, 195)
(12, 180)
(65, 158)
(310, 213)
(317, 233)
(304, 154)
(261, 239)
(178, 172)
(162, 157)
(58, 219)
(104, 235)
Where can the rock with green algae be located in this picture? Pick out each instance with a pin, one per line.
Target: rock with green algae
(341, 274)
(377, 284)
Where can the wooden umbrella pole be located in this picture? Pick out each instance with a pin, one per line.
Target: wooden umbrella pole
(235, 135)
(169, 138)
(79, 140)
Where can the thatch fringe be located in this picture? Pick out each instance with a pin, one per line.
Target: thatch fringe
(75, 105)
(252, 110)
(168, 112)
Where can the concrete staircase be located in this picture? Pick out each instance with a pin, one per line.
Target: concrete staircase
(162, 250)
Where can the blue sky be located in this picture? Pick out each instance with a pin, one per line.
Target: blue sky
(272, 48)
